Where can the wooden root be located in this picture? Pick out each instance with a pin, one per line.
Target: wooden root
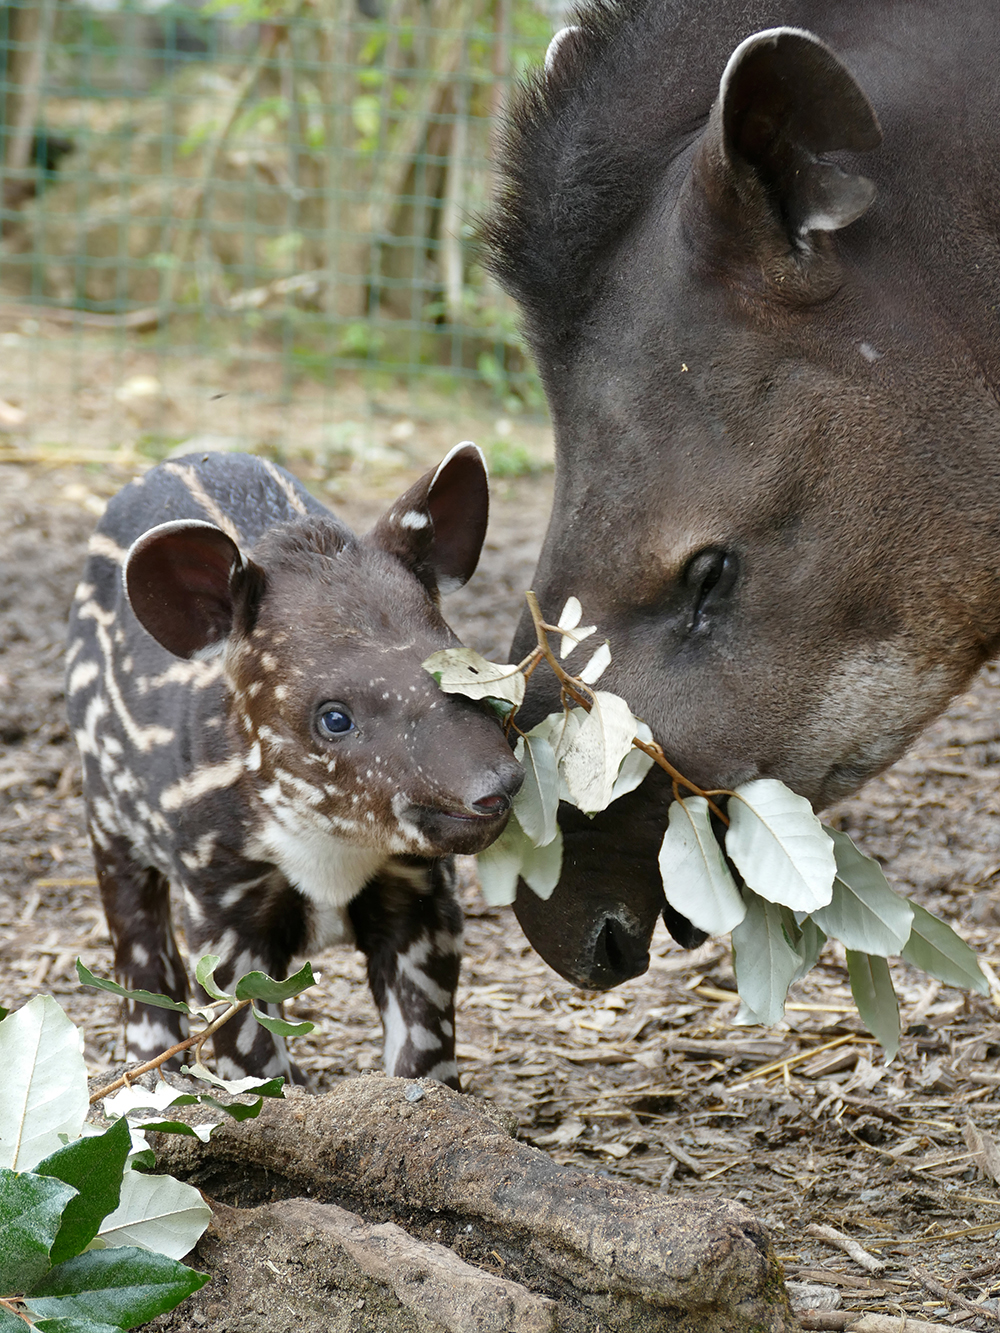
(503, 1235)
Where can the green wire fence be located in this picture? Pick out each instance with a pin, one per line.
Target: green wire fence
(251, 221)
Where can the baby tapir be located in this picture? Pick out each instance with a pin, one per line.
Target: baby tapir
(245, 685)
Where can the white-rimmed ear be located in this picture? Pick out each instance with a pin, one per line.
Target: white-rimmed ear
(438, 526)
(762, 190)
(179, 580)
(561, 49)
(785, 100)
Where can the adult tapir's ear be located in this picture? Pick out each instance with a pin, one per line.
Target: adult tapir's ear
(784, 101)
(181, 580)
(438, 526)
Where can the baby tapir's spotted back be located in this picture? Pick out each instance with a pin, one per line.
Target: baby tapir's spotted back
(245, 685)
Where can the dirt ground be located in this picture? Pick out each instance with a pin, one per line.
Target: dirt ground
(805, 1123)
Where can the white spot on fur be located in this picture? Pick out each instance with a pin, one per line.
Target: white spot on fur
(81, 676)
(415, 520)
(201, 782)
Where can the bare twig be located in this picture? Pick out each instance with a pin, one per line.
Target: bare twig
(11, 1308)
(198, 1040)
(944, 1293)
(850, 1247)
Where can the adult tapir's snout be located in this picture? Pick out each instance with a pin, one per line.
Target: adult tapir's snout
(590, 931)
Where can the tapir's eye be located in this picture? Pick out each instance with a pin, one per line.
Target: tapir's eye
(335, 720)
(710, 576)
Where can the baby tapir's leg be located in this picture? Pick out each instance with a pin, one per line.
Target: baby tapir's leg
(137, 905)
(255, 925)
(409, 924)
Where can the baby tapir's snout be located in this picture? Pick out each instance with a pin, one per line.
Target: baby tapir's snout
(478, 779)
(245, 683)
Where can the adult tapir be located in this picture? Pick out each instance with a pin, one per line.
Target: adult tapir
(757, 246)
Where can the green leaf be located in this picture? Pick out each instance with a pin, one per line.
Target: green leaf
(3, 1013)
(537, 803)
(463, 671)
(696, 880)
(44, 1083)
(157, 1213)
(763, 958)
(239, 1111)
(94, 1167)
(589, 758)
(864, 912)
(12, 1323)
(779, 846)
(259, 986)
(143, 996)
(875, 996)
(499, 866)
(281, 1027)
(542, 866)
(31, 1210)
(935, 948)
(202, 1131)
(205, 976)
(125, 1287)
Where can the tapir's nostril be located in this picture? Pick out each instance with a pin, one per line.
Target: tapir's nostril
(619, 953)
(492, 805)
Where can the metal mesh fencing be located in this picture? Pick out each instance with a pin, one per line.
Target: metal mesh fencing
(251, 222)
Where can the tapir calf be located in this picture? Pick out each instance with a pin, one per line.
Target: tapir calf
(257, 731)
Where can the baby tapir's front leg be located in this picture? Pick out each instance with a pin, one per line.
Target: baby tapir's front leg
(253, 924)
(409, 924)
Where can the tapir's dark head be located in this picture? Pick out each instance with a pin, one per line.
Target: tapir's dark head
(776, 472)
(322, 637)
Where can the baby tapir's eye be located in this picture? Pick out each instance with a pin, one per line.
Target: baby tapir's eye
(335, 720)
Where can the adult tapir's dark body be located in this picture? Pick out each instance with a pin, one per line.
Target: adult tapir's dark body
(774, 391)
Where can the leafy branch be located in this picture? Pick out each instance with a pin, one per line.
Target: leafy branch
(774, 877)
(249, 988)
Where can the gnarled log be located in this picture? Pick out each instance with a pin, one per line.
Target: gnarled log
(612, 1255)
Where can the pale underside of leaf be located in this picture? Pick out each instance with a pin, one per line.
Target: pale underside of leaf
(542, 866)
(590, 759)
(597, 665)
(499, 866)
(779, 846)
(44, 1091)
(864, 912)
(571, 614)
(765, 962)
(157, 1213)
(537, 803)
(463, 671)
(875, 996)
(934, 947)
(696, 880)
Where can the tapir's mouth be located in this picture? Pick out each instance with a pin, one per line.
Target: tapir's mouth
(466, 831)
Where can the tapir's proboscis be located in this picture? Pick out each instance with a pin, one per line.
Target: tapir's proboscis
(758, 250)
(257, 731)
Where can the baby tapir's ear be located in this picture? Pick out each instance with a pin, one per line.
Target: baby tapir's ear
(438, 526)
(180, 579)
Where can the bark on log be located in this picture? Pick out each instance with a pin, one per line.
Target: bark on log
(613, 1255)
